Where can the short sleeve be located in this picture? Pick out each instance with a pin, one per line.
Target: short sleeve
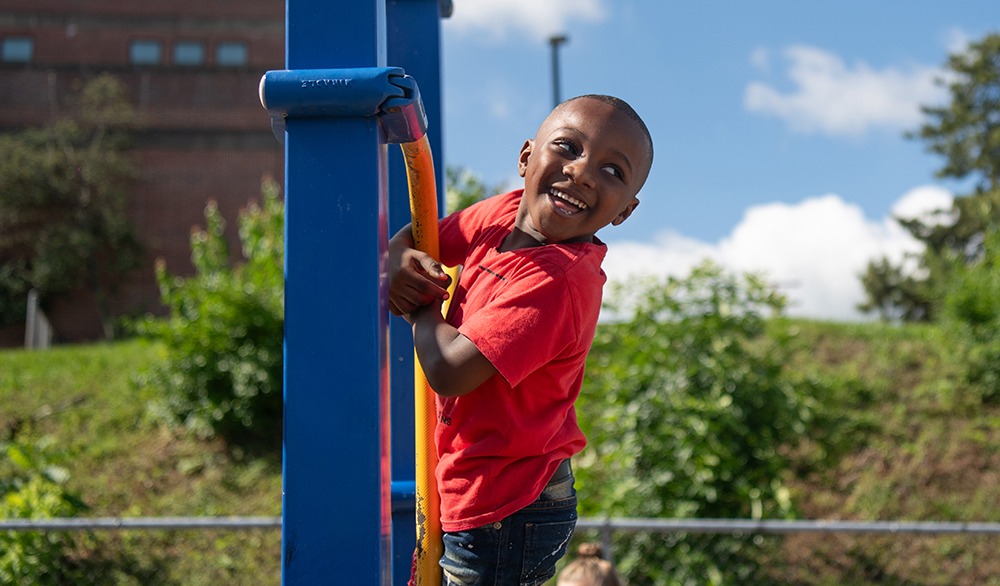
(525, 327)
(460, 231)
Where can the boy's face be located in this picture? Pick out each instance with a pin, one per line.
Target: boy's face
(581, 172)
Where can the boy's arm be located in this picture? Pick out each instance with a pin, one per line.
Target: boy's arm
(415, 278)
(452, 363)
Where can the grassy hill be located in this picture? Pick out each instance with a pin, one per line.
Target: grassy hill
(898, 441)
(904, 441)
(124, 463)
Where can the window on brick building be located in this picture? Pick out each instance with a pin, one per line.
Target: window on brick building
(189, 53)
(17, 49)
(145, 52)
(231, 54)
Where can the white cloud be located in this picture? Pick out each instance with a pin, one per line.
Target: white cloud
(929, 204)
(814, 251)
(669, 254)
(497, 19)
(833, 98)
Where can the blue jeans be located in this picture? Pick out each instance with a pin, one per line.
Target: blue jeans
(521, 550)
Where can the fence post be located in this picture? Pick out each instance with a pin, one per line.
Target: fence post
(607, 543)
(37, 329)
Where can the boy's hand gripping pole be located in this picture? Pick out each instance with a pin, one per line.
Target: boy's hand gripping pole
(394, 98)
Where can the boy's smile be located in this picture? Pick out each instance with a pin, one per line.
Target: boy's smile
(581, 172)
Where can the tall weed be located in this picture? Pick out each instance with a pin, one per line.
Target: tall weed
(222, 374)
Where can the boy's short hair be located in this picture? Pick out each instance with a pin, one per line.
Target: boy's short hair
(623, 107)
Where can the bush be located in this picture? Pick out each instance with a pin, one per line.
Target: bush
(687, 406)
(972, 316)
(32, 487)
(222, 374)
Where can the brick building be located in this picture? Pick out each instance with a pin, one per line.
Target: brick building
(192, 69)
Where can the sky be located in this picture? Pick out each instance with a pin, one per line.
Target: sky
(779, 125)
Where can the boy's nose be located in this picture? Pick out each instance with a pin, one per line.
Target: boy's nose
(579, 171)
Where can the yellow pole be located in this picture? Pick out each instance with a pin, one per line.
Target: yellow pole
(424, 214)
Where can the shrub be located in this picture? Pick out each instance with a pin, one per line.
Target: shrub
(32, 487)
(222, 374)
(687, 406)
(972, 316)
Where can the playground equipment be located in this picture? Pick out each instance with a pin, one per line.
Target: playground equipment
(424, 213)
(334, 107)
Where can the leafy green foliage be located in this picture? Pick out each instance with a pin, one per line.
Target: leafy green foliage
(894, 293)
(62, 203)
(964, 131)
(965, 134)
(464, 188)
(223, 369)
(913, 450)
(32, 487)
(687, 406)
(972, 315)
(125, 463)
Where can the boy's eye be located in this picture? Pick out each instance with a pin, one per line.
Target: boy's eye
(567, 146)
(612, 169)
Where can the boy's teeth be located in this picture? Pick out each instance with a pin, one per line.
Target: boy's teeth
(569, 198)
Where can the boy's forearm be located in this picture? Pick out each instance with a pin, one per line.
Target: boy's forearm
(431, 337)
(452, 364)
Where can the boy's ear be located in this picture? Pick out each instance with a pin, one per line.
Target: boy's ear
(522, 159)
(626, 212)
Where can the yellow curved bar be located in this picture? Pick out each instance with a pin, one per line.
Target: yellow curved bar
(424, 214)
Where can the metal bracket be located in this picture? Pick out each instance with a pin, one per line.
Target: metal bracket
(386, 92)
(404, 119)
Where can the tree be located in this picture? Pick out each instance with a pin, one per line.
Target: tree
(464, 188)
(62, 203)
(966, 133)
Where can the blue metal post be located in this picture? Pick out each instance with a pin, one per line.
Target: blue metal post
(336, 527)
(413, 36)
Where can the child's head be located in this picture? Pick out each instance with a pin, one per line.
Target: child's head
(583, 170)
(589, 569)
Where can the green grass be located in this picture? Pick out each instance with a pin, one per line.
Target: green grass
(897, 437)
(122, 462)
(901, 439)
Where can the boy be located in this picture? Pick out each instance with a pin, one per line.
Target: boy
(507, 363)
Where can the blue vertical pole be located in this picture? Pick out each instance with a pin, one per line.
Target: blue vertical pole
(413, 36)
(336, 526)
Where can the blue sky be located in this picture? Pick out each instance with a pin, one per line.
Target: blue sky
(778, 125)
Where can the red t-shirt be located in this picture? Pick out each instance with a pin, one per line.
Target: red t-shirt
(532, 313)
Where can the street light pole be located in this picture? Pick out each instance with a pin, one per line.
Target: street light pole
(555, 41)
